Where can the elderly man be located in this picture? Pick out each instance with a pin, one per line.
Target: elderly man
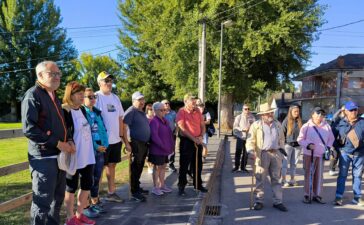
(241, 128)
(192, 127)
(44, 126)
(265, 139)
(171, 117)
(112, 113)
(349, 136)
(140, 134)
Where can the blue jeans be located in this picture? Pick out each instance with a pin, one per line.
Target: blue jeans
(357, 171)
(99, 164)
(48, 186)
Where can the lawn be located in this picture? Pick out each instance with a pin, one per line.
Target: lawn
(5, 126)
(14, 150)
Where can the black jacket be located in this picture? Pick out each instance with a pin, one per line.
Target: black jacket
(43, 122)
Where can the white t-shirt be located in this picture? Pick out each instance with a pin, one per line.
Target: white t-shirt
(111, 110)
(82, 137)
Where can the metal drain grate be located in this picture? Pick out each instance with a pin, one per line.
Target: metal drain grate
(213, 210)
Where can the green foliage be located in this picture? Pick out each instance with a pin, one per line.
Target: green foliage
(268, 42)
(29, 34)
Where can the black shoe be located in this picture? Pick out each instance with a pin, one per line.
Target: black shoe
(244, 170)
(281, 207)
(144, 192)
(202, 189)
(172, 168)
(318, 199)
(306, 200)
(138, 197)
(234, 170)
(258, 206)
(338, 201)
(181, 191)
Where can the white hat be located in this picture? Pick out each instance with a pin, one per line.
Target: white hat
(137, 95)
(265, 108)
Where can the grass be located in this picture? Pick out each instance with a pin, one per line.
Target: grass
(14, 150)
(5, 126)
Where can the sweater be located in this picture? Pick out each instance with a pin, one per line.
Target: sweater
(161, 141)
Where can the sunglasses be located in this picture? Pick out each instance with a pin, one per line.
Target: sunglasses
(91, 97)
(108, 80)
(353, 110)
(246, 109)
(320, 113)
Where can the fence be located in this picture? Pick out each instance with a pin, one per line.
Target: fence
(12, 133)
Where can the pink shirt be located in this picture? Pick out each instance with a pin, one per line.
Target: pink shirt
(191, 120)
(308, 135)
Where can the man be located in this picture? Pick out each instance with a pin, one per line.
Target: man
(349, 135)
(265, 139)
(140, 134)
(192, 128)
(240, 128)
(112, 113)
(44, 126)
(171, 117)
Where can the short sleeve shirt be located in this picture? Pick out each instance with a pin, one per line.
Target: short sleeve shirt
(191, 119)
(111, 110)
(138, 124)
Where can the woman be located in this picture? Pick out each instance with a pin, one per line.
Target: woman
(161, 145)
(291, 128)
(311, 143)
(100, 143)
(79, 127)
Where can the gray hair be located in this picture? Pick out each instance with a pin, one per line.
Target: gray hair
(157, 105)
(42, 66)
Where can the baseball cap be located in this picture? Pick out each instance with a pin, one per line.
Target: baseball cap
(103, 75)
(318, 110)
(137, 95)
(165, 101)
(350, 105)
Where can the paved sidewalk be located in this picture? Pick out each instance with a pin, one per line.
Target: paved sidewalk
(167, 209)
(235, 197)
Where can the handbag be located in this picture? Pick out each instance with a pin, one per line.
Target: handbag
(67, 162)
(327, 154)
(211, 129)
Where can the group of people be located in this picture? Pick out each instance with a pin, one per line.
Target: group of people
(76, 141)
(273, 147)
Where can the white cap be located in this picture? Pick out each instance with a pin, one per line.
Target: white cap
(137, 95)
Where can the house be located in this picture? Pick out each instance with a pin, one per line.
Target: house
(332, 84)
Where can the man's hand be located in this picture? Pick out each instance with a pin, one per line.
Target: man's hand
(251, 155)
(101, 148)
(198, 140)
(127, 147)
(66, 146)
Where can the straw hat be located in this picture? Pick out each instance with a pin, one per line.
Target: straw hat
(265, 108)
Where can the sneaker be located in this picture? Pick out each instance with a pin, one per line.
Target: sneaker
(172, 168)
(157, 191)
(114, 198)
(86, 221)
(358, 201)
(306, 200)
(98, 208)
(286, 184)
(293, 183)
(143, 191)
(280, 207)
(333, 173)
(318, 199)
(338, 201)
(150, 170)
(258, 206)
(90, 212)
(138, 197)
(74, 221)
(166, 189)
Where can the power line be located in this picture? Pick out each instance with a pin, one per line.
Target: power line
(344, 25)
(239, 5)
(331, 46)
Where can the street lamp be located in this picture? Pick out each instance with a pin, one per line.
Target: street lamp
(226, 23)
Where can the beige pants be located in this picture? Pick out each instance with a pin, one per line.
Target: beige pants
(271, 164)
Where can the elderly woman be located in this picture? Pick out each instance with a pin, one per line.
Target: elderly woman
(79, 127)
(314, 137)
(161, 145)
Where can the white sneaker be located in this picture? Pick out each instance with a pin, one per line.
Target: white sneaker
(157, 191)
(150, 170)
(333, 173)
(166, 189)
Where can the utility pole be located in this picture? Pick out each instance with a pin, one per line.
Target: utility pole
(202, 63)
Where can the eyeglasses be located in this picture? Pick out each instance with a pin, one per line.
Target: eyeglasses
(54, 74)
(353, 110)
(320, 113)
(246, 108)
(91, 97)
(162, 110)
(167, 103)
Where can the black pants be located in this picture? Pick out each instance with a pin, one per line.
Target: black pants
(139, 151)
(171, 159)
(187, 158)
(240, 148)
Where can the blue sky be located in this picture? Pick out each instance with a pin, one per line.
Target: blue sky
(331, 44)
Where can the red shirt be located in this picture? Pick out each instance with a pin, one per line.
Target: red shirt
(191, 120)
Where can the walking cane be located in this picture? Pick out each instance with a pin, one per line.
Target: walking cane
(311, 178)
(196, 169)
(252, 187)
(129, 159)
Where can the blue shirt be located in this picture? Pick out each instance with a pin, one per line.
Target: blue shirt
(171, 117)
(138, 124)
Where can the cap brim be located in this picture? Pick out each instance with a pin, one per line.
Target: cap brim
(269, 111)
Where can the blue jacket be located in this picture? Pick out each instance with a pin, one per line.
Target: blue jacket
(340, 130)
(104, 141)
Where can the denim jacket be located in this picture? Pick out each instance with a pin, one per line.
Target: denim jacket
(340, 131)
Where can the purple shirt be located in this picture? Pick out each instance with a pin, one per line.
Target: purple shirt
(161, 140)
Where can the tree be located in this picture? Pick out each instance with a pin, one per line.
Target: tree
(29, 33)
(268, 42)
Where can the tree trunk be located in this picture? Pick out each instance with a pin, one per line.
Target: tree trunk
(227, 117)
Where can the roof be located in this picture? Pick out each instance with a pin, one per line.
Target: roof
(346, 62)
